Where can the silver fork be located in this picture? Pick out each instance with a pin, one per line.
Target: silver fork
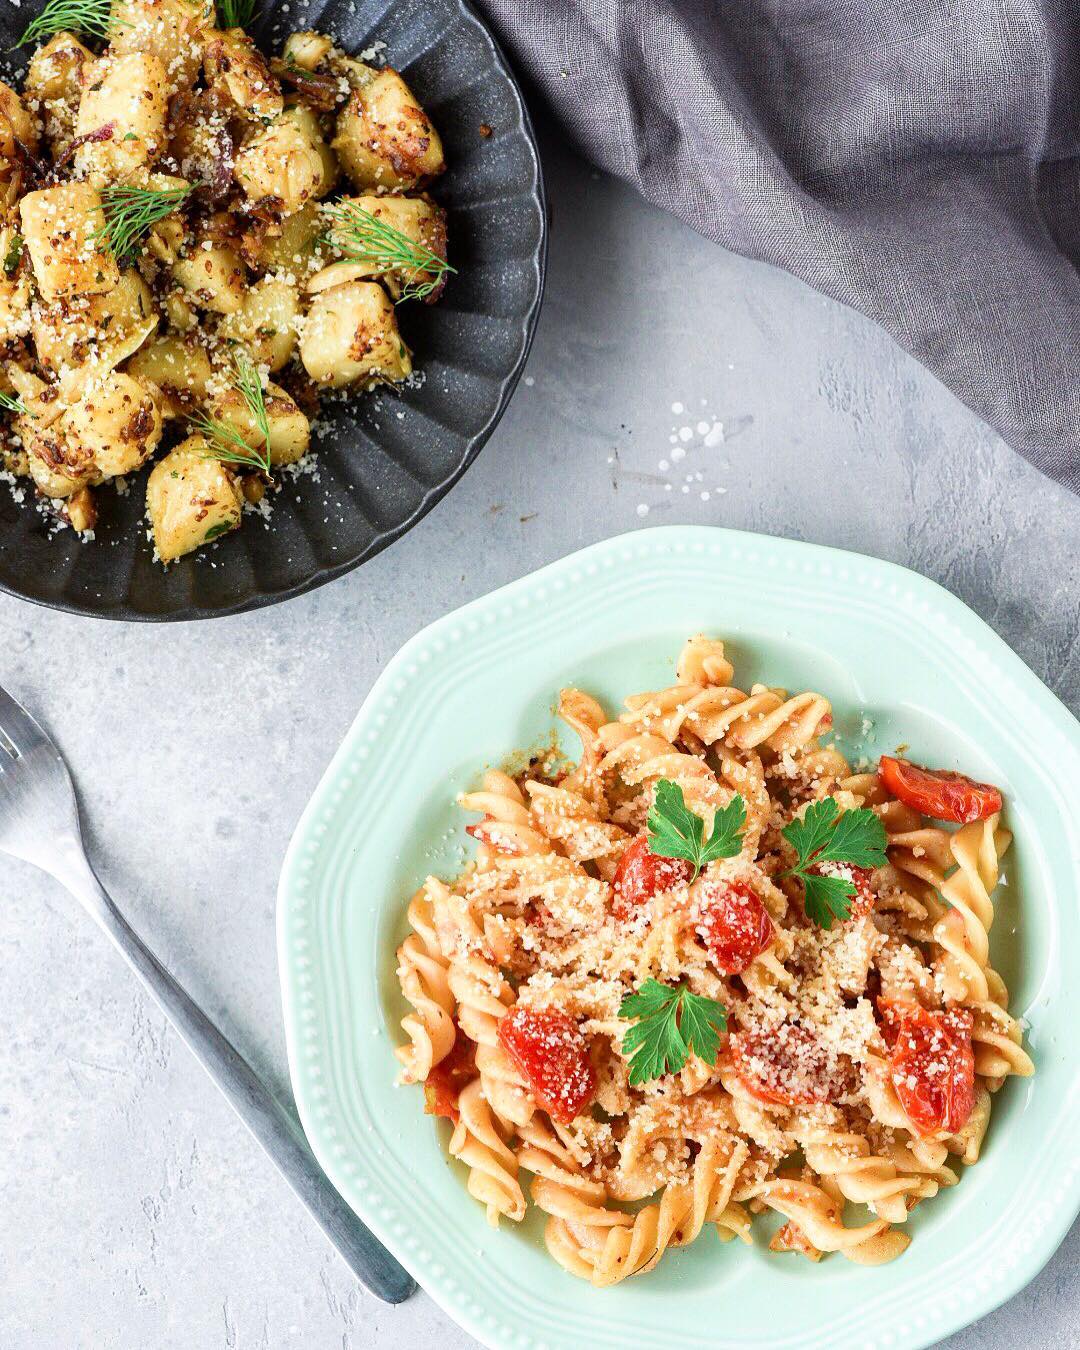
(39, 822)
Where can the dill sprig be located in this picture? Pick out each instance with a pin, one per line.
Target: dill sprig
(89, 17)
(237, 13)
(362, 237)
(132, 212)
(227, 442)
(14, 405)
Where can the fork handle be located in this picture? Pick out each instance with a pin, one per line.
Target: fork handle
(272, 1124)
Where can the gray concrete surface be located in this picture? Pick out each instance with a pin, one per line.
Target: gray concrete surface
(134, 1211)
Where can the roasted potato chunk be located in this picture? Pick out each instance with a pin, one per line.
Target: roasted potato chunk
(192, 499)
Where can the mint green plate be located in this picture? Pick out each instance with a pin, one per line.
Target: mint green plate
(883, 644)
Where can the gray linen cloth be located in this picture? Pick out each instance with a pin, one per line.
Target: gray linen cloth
(917, 159)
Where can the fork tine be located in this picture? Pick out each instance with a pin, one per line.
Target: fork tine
(18, 730)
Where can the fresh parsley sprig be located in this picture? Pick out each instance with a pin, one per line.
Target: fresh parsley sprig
(670, 1023)
(364, 238)
(227, 444)
(825, 835)
(676, 832)
(89, 17)
(132, 212)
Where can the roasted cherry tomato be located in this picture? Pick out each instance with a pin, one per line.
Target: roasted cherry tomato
(938, 792)
(642, 874)
(550, 1051)
(785, 1065)
(931, 1064)
(734, 924)
(448, 1077)
(862, 902)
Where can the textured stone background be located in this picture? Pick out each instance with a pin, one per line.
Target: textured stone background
(134, 1210)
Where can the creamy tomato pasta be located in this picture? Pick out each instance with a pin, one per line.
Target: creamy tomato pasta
(710, 971)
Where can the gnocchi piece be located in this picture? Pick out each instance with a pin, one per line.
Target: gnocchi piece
(192, 499)
(113, 429)
(17, 129)
(237, 70)
(212, 276)
(81, 340)
(174, 31)
(266, 322)
(54, 79)
(59, 225)
(294, 247)
(116, 425)
(290, 430)
(307, 50)
(350, 333)
(288, 160)
(121, 115)
(178, 366)
(418, 218)
(384, 138)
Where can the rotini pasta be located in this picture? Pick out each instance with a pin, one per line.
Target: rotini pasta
(708, 973)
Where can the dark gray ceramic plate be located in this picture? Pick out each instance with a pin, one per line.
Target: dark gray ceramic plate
(384, 460)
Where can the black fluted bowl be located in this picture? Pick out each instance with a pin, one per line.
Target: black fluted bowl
(385, 459)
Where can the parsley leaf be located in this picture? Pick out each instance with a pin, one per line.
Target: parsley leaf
(825, 835)
(670, 1022)
(676, 832)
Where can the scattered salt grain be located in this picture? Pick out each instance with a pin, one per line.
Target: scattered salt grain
(642, 509)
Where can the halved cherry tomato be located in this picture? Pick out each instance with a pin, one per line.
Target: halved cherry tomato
(641, 874)
(487, 831)
(785, 1065)
(931, 1064)
(448, 1077)
(550, 1051)
(939, 793)
(734, 924)
(862, 902)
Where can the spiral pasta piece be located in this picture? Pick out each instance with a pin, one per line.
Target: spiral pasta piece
(492, 1165)
(508, 825)
(574, 825)
(423, 971)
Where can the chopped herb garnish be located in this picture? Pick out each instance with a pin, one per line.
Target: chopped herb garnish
(131, 212)
(92, 18)
(676, 832)
(825, 835)
(227, 443)
(237, 13)
(13, 255)
(14, 405)
(670, 1022)
(215, 530)
(363, 238)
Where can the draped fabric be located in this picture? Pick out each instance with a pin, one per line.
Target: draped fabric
(918, 160)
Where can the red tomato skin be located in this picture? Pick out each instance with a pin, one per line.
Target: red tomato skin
(931, 1064)
(447, 1078)
(939, 793)
(734, 924)
(550, 1051)
(641, 874)
(782, 1085)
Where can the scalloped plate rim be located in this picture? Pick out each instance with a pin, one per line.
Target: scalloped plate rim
(677, 539)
